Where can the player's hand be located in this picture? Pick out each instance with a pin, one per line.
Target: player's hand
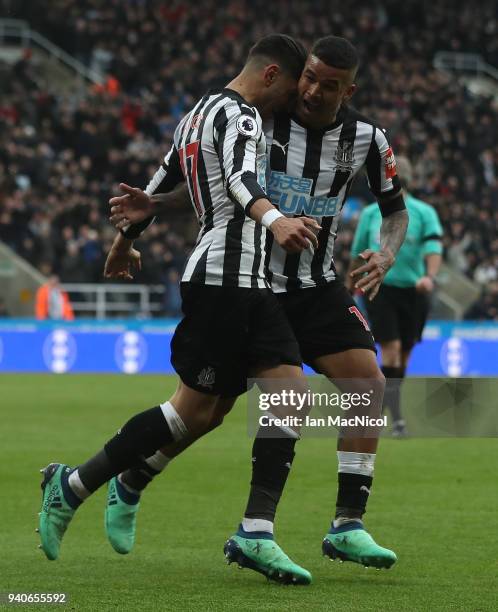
(295, 234)
(371, 273)
(425, 285)
(132, 207)
(122, 260)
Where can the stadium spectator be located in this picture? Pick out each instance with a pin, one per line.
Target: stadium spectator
(51, 302)
(4, 313)
(62, 155)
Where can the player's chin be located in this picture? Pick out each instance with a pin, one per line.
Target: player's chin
(307, 109)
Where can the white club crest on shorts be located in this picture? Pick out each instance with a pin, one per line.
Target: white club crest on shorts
(246, 125)
(206, 377)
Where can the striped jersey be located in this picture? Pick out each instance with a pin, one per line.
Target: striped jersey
(311, 172)
(219, 149)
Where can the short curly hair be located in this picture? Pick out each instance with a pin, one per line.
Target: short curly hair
(337, 52)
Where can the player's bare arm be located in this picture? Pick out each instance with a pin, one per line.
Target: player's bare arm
(377, 263)
(135, 206)
(122, 259)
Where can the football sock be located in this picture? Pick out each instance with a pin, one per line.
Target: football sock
(78, 488)
(272, 458)
(394, 378)
(140, 437)
(354, 483)
(252, 525)
(138, 478)
(91, 474)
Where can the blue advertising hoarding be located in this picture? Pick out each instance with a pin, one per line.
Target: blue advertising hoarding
(132, 347)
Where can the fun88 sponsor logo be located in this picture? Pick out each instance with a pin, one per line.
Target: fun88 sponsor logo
(292, 196)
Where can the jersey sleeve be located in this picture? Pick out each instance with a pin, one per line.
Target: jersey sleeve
(238, 135)
(432, 232)
(165, 179)
(381, 166)
(360, 240)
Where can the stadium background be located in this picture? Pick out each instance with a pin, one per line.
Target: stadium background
(65, 143)
(68, 135)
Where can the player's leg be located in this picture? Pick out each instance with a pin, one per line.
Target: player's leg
(393, 370)
(355, 370)
(336, 341)
(253, 544)
(274, 359)
(64, 489)
(124, 490)
(137, 479)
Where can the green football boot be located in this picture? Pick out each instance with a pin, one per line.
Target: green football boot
(59, 504)
(262, 554)
(121, 516)
(350, 542)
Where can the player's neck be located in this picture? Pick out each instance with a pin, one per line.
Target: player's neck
(247, 87)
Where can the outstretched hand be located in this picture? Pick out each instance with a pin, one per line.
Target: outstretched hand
(372, 272)
(122, 260)
(134, 206)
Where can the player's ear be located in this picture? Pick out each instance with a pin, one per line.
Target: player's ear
(349, 92)
(270, 74)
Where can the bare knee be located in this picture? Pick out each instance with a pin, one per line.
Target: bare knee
(194, 408)
(391, 353)
(220, 410)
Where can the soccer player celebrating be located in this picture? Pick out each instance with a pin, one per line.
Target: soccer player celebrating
(314, 156)
(233, 325)
(399, 311)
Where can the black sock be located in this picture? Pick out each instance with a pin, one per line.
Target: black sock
(271, 462)
(352, 495)
(96, 471)
(394, 378)
(139, 478)
(140, 437)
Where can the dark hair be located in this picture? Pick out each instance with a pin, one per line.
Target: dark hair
(337, 52)
(284, 50)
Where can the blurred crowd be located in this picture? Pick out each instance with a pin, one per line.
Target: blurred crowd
(61, 156)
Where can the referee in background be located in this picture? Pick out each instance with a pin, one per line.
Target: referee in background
(399, 311)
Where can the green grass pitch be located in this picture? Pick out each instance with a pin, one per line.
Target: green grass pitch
(434, 502)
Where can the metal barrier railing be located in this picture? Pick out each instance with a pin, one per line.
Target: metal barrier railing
(19, 31)
(109, 300)
(449, 61)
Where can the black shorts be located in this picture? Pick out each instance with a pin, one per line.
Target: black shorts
(398, 313)
(227, 331)
(325, 320)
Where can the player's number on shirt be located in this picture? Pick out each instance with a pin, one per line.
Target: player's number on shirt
(354, 310)
(192, 151)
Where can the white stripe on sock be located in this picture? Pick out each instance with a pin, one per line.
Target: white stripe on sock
(158, 461)
(356, 463)
(252, 524)
(343, 520)
(176, 425)
(77, 486)
(127, 486)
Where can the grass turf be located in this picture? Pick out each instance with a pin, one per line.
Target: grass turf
(434, 502)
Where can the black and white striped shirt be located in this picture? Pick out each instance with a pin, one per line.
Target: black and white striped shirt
(311, 173)
(219, 149)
